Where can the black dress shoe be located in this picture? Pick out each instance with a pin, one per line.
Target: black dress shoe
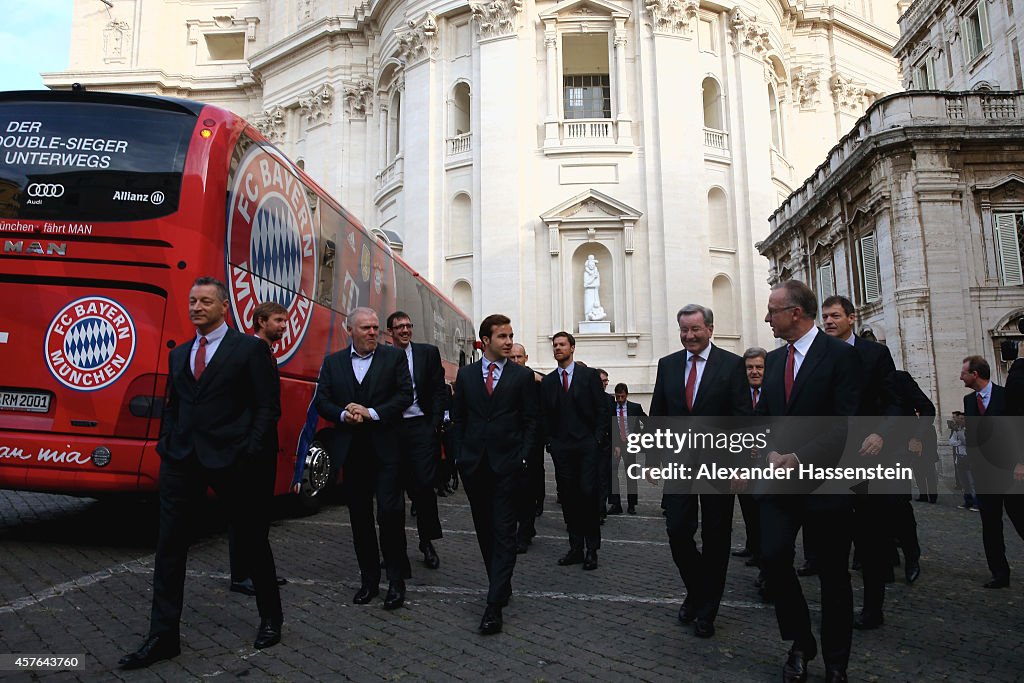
(631, 509)
(590, 561)
(685, 615)
(835, 674)
(704, 628)
(155, 649)
(268, 634)
(742, 552)
(491, 623)
(912, 571)
(795, 668)
(245, 586)
(396, 595)
(571, 557)
(430, 558)
(1001, 582)
(807, 569)
(365, 594)
(868, 621)
(615, 509)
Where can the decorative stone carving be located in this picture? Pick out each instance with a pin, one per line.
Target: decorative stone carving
(672, 16)
(272, 124)
(848, 94)
(116, 38)
(358, 99)
(496, 18)
(592, 309)
(919, 50)
(316, 106)
(749, 34)
(305, 10)
(805, 88)
(419, 40)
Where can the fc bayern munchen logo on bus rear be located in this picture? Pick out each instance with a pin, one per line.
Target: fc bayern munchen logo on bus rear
(271, 245)
(90, 343)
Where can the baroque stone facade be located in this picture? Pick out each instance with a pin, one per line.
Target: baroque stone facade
(504, 141)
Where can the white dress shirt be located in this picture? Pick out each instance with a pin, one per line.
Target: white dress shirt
(360, 366)
(802, 345)
(212, 344)
(699, 367)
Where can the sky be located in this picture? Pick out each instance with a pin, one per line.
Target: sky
(34, 37)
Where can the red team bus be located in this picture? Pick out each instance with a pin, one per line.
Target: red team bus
(110, 206)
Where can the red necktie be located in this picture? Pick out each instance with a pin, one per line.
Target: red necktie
(200, 358)
(622, 422)
(753, 398)
(790, 375)
(565, 381)
(981, 404)
(691, 381)
(490, 378)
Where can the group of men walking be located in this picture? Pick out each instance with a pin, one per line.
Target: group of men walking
(387, 403)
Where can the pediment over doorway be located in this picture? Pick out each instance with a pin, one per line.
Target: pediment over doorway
(591, 207)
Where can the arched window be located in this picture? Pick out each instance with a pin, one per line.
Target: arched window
(395, 127)
(460, 121)
(724, 306)
(776, 119)
(462, 296)
(713, 117)
(719, 230)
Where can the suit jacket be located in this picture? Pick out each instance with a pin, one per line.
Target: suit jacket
(916, 403)
(828, 383)
(879, 395)
(387, 388)
(496, 430)
(633, 410)
(1015, 388)
(589, 426)
(723, 392)
(428, 375)
(231, 412)
(991, 448)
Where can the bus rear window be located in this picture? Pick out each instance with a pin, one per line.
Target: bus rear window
(88, 161)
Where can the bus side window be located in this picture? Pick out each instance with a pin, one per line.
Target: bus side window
(325, 288)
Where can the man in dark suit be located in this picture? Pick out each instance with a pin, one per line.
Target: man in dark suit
(531, 493)
(421, 431)
(813, 375)
(219, 429)
(875, 439)
(995, 464)
(363, 390)
(494, 422)
(702, 380)
(605, 451)
(753, 363)
(576, 421)
(623, 409)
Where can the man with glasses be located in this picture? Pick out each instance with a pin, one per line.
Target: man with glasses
(421, 430)
(813, 375)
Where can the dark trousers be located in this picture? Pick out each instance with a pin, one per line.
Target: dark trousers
(751, 511)
(366, 476)
(420, 454)
(492, 499)
(530, 495)
(703, 572)
(992, 505)
(246, 491)
(927, 480)
(577, 473)
(880, 520)
(622, 463)
(829, 525)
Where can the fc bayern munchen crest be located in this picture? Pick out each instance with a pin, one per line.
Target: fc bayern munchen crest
(90, 343)
(271, 246)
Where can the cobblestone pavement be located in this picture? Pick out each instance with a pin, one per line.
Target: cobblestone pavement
(75, 578)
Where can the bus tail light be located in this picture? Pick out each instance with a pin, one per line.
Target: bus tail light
(142, 407)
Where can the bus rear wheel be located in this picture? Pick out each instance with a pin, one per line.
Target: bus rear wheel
(316, 479)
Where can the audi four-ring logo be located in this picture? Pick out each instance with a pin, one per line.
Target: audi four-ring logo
(45, 190)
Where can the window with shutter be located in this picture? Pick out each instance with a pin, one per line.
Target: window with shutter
(1008, 247)
(826, 282)
(871, 289)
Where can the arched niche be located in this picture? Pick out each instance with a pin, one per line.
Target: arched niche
(606, 291)
(459, 119)
(720, 232)
(723, 303)
(460, 225)
(462, 296)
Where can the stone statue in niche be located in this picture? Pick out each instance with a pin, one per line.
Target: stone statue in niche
(592, 309)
